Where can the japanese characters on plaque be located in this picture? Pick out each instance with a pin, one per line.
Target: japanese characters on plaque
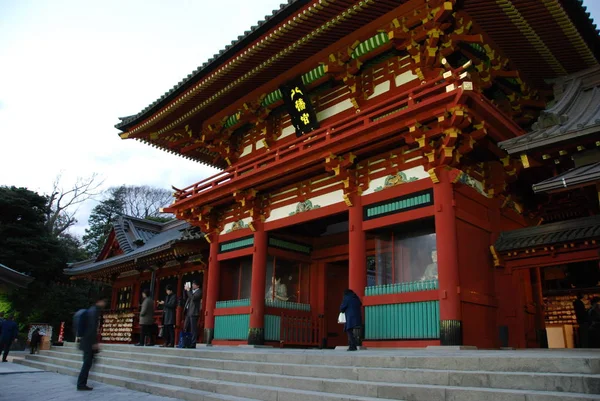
(298, 105)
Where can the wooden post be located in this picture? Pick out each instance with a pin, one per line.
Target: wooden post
(257, 292)
(212, 290)
(113, 298)
(179, 309)
(447, 251)
(357, 271)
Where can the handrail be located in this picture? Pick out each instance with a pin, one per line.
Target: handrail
(368, 115)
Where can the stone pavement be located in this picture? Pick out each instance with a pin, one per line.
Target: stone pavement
(21, 383)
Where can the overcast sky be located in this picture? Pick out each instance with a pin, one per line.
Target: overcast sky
(70, 68)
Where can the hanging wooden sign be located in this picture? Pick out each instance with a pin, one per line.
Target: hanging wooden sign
(298, 105)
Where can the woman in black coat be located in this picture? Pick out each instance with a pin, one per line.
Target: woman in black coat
(169, 305)
(351, 307)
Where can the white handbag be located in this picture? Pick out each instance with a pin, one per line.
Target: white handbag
(342, 318)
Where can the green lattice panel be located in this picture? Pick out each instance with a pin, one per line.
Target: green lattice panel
(237, 244)
(290, 246)
(399, 205)
(275, 303)
(272, 327)
(409, 321)
(232, 327)
(233, 303)
(400, 288)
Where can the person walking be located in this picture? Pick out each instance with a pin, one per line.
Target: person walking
(146, 319)
(193, 296)
(88, 332)
(351, 307)
(8, 334)
(169, 305)
(594, 328)
(36, 338)
(583, 320)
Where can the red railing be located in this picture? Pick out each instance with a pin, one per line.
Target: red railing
(302, 330)
(376, 116)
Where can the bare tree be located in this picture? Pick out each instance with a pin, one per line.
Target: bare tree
(64, 203)
(144, 201)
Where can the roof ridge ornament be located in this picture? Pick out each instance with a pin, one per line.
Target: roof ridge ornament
(548, 119)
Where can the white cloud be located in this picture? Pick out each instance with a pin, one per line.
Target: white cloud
(71, 68)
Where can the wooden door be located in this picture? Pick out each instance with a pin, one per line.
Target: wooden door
(336, 281)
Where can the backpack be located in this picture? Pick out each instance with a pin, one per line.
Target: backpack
(80, 322)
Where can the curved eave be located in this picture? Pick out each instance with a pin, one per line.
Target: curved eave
(216, 61)
(202, 159)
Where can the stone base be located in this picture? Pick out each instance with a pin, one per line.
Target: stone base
(451, 347)
(254, 346)
(508, 348)
(345, 348)
(209, 335)
(200, 345)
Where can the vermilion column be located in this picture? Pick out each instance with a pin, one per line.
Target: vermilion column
(447, 252)
(357, 273)
(257, 293)
(179, 309)
(212, 290)
(113, 298)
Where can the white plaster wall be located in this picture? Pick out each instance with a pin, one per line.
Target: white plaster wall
(228, 226)
(247, 151)
(417, 172)
(405, 77)
(380, 89)
(287, 131)
(322, 201)
(335, 109)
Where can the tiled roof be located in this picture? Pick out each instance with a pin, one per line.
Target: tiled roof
(170, 233)
(212, 63)
(578, 176)
(575, 114)
(549, 234)
(13, 277)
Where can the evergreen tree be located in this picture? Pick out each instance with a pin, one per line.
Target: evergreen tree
(101, 219)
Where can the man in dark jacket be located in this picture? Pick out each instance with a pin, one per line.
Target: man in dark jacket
(169, 305)
(192, 298)
(146, 319)
(583, 320)
(8, 334)
(351, 306)
(89, 341)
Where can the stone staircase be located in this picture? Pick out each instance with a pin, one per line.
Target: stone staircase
(238, 373)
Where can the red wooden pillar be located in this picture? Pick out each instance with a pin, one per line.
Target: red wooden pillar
(447, 251)
(113, 298)
(257, 292)
(179, 309)
(212, 291)
(357, 274)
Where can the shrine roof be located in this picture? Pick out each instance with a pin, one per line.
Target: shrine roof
(579, 176)
(216, 60)
(169, 233)
(549, 234)
(575, 114)
(543, 40)
(13, 277)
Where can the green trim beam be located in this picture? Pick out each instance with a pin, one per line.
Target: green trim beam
(289, 245)
(234, 245)
(397, 205)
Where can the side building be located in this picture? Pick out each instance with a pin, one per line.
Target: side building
(142, 254)
(359, 148)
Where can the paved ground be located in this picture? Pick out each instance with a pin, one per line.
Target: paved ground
(21, 383)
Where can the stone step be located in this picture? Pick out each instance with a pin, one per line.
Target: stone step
(188, 387)
(535, 361)
(138, 385)
(208, 368)
(270, 387)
